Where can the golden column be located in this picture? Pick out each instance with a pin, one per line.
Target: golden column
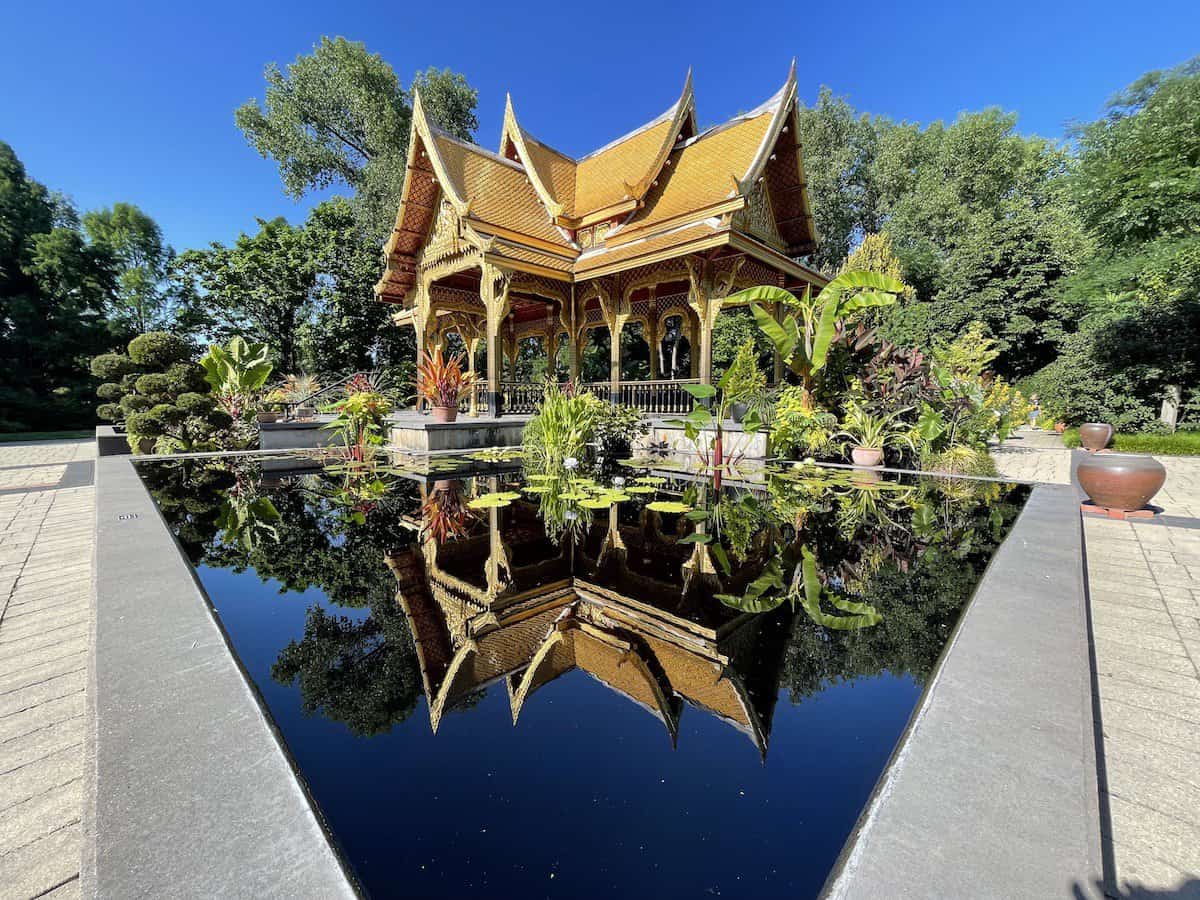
(494, 284)
(707, 290)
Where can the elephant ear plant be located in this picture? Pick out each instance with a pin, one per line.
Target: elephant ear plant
(804, 334)
(237, 374)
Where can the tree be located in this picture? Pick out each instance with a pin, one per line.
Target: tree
(340, 115)
(980, 222)
(262, 287)
(351, 329)
(135, 243)
(1137, 173)
(54, 290)
(839, 148)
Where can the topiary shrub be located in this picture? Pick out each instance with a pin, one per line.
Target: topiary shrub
(161, 397)
(158, 350)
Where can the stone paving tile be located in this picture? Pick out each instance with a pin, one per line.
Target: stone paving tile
(1144, 584)
(45, 624)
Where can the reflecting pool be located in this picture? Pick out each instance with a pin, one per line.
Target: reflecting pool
(574, 683)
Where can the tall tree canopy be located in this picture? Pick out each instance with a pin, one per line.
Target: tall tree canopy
(262, 287)
(977, 214)
(135, 243)
(340, 115)
(1136, 301)
(55, 289)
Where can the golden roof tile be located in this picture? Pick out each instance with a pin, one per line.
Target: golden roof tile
(497, 190)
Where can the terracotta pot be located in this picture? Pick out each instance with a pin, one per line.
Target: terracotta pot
(1095, 435)
(867, 456)
(267, 417)
(1121, 480)
(443, 413)
(306, 412)
(1060, 427)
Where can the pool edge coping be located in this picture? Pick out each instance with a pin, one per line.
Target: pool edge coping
(879, 849)
(259, 821)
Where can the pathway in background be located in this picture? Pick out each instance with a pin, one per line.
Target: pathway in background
(46, 534)
(1144, 580)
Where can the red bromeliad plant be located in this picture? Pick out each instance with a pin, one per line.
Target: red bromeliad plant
(442, 381)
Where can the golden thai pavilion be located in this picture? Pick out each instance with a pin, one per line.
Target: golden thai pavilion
(529, 242)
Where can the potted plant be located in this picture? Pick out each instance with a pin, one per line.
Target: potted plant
(271, 403)
(441, 382)
(746, 382)
(870, 435)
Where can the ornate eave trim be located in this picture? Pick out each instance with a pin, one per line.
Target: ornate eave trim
(786, 98)
(685, 110)
(719, 238)
(512, 131)
(776, 260)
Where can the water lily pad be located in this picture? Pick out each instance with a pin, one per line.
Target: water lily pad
(668, 506)
(537, 489)
(640, 489)
(573, 495)
(494, 500)
(540, 476)
(597, 503)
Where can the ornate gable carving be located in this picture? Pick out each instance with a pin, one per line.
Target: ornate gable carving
(757, 218)
(445, 238)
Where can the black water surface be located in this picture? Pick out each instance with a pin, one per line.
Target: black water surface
(665, 743)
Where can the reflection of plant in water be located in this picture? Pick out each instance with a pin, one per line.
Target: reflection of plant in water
(444, 514)
(791, 575)
(247, 521)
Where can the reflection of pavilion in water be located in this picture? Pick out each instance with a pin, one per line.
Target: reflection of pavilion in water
(625, 605)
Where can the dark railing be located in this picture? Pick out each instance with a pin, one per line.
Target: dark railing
(653, 397)
(521, 396)
(657, 396)
(332, 391)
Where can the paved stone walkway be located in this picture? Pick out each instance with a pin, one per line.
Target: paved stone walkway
(1144, 581)
(46, 525)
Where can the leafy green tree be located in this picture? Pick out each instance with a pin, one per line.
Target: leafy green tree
(839, 148)
(350, 330)
(262, 287)
(55, 289)
(340, 115)
(1137, 174)
(135, 243)
(160, 396)
(979, 218)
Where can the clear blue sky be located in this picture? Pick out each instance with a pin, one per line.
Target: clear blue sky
(134, 101)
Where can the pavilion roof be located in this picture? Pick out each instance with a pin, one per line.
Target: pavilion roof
(662, 185)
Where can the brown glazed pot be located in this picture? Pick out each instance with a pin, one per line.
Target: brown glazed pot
(867, 456)
(1121, 480)
(443, 413)
(1095, 435)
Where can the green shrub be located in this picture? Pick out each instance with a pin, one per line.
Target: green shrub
(111, 366)
(186, 377)
(196, 404)
(799, 429)
(110, 390)
(132, 403)
(614, 429)
(110, 412)
(158, 349)
(154, 383)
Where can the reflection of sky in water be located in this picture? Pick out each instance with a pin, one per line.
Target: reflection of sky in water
(589, 794)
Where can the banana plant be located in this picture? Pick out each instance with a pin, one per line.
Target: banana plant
(807, 330)
(237, 373)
